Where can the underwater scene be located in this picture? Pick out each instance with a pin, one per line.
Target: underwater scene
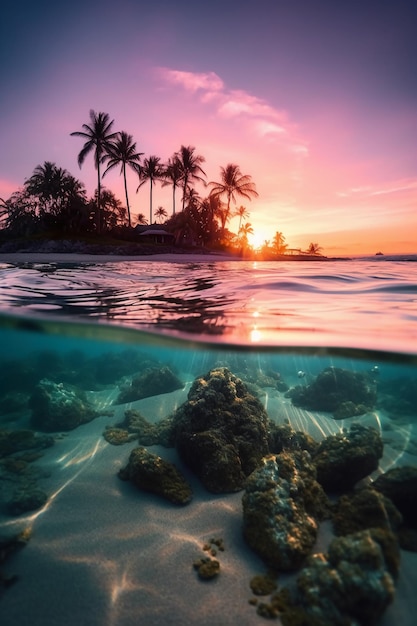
(158, 480)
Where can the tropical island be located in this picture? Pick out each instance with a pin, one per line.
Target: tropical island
(52, 213)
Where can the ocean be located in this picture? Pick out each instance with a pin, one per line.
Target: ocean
(214, 375)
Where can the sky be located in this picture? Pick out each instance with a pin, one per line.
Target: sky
(315, 99)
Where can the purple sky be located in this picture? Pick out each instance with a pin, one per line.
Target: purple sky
(315, 99)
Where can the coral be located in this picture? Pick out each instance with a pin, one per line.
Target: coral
(344, 459)
(152, 473)
(221, 431)
(338, 391)
(152, 381)
(279, 510)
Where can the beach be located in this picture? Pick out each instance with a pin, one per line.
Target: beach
(102, 552)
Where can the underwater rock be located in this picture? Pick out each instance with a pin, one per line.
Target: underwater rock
(29, 499)
(344, 459)
(152, 381)
(338, 391)
(8, 546)
(220, 432)
(284, 437)
(365, 508)
(57, 407)
(152, 473)
(117, 436)
(280, 505)
(399, 484)
(399, 396)
(207, 568)
(12, 441)
(135, 426)
(13, 401)
(352, 584)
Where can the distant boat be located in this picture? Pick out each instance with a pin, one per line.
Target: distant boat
(379, 254)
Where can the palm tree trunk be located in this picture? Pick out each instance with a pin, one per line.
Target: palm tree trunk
(98, 198)
(173, 199)
(150, 203)
(127, 198)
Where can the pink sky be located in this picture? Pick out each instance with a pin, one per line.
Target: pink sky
(323, 119)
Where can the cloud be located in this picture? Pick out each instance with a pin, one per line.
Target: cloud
(257, 115)
(191, 81)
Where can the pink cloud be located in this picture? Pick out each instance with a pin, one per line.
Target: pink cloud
(192, 81)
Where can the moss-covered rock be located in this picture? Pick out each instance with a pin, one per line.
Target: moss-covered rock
(152, 381)
(338, 391)
(58, 406)
(152, 473)
(344, 459)
(221, 431)
(281, 505)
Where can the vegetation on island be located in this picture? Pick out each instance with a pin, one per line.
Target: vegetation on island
(53, 203)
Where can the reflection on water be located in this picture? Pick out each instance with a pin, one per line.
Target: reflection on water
(246, 302)
(77, 399)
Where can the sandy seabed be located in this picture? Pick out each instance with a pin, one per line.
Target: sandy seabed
(103, 553)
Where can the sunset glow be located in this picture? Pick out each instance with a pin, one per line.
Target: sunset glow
(316, 104)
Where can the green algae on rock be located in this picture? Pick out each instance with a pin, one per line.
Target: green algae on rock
(153, 474)
(281, 505)
(221, 431)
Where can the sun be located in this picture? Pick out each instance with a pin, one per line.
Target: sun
(256, 240)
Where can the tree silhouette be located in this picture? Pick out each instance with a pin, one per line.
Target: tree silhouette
(232, 184)
(98, 138)
(314, 248)
(191, 170)
(151, 170)
(278, 243)
(173, 176)
(242, 213)
(122, 151)
(141, 219)
(161, 213)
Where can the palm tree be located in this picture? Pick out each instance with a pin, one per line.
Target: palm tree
(173, 176)
(233, 183)
(314, 248)
(190, 166)
(141, 219)
(278, 243)
(122, 151)
(151, 170)
(160, 213)
(242, 213)
(98, 137)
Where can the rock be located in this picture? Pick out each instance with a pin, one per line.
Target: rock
(344, 459)
(280, 504)
(338, 391)
(27, 500)
(352, 584)
(58, 406)
(284, 437)
(12, 441)
(207, 568)
(399, 484)
(152, 473)
(221, 431)
(152, 381)
(365, 508)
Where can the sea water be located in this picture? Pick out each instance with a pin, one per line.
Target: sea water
(104, 552)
